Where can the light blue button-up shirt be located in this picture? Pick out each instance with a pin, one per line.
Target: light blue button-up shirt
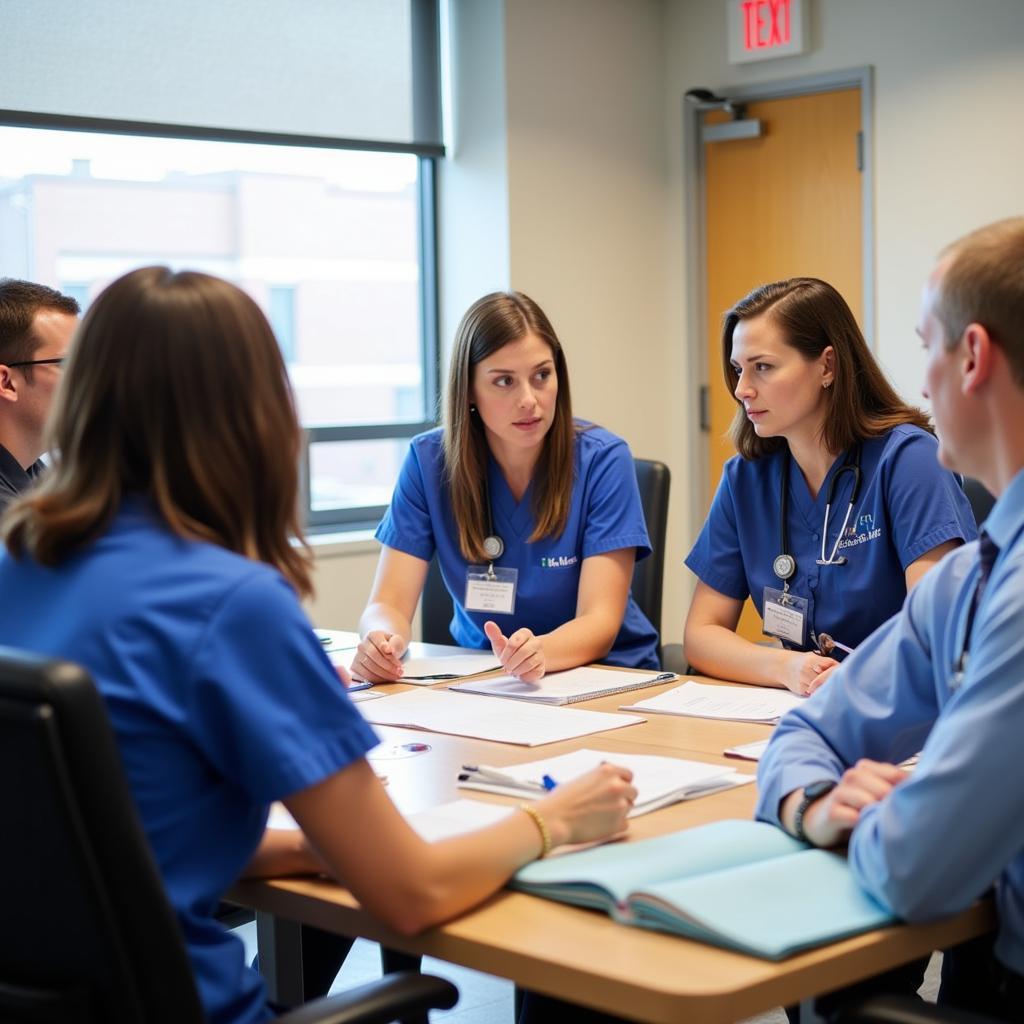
(956, 826)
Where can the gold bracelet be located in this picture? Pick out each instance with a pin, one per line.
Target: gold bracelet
(542, 827)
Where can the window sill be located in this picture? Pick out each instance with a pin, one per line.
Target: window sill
(343, 543)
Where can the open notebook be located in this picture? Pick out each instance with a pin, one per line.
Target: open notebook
(659, 781)
(567, 687)
(744, 885)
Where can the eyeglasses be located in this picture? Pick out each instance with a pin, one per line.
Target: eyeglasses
(39, 362)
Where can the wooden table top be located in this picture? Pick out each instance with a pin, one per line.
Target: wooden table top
(582, 955)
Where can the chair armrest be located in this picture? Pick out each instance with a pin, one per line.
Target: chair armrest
(396, 996)
(904, 1010)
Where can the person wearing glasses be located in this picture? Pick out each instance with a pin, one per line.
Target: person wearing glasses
(36, 326)
(535, 517)
(162, 552)
(835, 506)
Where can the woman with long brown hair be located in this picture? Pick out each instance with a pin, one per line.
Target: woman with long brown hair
(535, 517)
(159, 554)
(835, 505)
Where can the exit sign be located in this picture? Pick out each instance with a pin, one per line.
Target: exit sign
(761, 29)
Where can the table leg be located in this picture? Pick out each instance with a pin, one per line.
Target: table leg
(279, 943)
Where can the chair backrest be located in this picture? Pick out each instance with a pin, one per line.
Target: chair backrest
(86, 932)
(653, 479)
(980, 498)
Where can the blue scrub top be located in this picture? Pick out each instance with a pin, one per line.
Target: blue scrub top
(908, 504)
(221, 698)
(605, 515)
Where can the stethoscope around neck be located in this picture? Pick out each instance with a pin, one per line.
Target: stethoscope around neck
(784, 565)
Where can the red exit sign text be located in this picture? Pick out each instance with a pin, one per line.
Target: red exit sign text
(760, 29)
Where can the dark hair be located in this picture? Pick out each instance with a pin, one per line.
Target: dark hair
(489, 324)
(175, 389)
(813, 315)
(19, 303)
(983, 282)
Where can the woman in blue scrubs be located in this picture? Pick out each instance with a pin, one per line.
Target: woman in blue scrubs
(835, 506)
(535, 517)
(159, 554)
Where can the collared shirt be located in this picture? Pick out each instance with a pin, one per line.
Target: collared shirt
(14, 479)
(907, 505)
(955, 827)
(604, 515)
(221, 698)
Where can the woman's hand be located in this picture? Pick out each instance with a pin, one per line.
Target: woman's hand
(591, 807)
(521, 655)
(804, 672)
(831, 819)
(379, 657)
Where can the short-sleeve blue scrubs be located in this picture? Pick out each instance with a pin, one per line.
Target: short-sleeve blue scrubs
(605, 515)
(908, 504)
(221, 698)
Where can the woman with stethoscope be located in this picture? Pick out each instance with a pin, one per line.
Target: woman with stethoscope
(535, 518)
(835, 506)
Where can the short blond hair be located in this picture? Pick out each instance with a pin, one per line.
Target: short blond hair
(983, 283)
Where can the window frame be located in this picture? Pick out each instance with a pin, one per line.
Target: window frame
(334, 519)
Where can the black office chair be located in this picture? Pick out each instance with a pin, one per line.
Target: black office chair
(905, 1010)
(980, 498)
(87, 934)
(653, 479)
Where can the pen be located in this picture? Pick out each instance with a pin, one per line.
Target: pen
(493, 775)
(436, 675)
(663, 677)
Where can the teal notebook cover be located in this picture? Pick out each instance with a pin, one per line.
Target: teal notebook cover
(740, 884)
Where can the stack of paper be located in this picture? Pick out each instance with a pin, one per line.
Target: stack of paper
(747, 751)
(565, 687)
(730, 703)
(427, 671)
(659, 781)
(485, 719)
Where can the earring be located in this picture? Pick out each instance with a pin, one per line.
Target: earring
(472, 408)
(827, 384)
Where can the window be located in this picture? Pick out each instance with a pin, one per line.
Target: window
(335, 244)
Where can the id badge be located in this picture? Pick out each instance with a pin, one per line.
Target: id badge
(784, 615)
(490, 589)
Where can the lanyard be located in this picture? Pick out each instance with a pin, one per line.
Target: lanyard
(784, 565)
(494, 546)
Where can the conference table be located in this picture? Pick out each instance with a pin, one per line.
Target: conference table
(580, 955)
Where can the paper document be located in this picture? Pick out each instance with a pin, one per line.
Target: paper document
(659, 781)
(729, 703)
(486, 719)
(337, 639)
(428, 671)
(357, 695)
(747, 751)
(565, 687)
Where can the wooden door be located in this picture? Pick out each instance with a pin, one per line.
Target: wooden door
(785, 204)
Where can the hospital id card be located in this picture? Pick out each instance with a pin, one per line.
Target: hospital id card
(491, 589)
(784, 615)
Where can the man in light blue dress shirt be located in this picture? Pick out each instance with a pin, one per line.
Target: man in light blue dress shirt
(946, 675)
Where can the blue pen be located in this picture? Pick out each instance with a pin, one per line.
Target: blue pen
(549, 783)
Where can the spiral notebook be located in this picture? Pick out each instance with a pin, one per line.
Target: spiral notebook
(568, 687)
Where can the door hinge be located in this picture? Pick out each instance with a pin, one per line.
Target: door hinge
(703, 402)
(860, 151)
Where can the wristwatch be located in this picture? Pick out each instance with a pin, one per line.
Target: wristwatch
(815, 791)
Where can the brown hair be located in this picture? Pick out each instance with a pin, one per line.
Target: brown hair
(490, 324)
(175, 389)
(19, 303)
(983, 283)
(813, 315)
